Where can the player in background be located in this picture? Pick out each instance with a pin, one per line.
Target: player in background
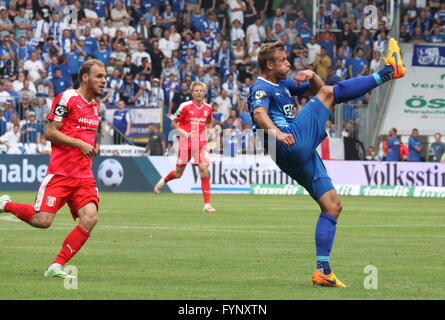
(295, 138)
(72, 126)
(190, 122)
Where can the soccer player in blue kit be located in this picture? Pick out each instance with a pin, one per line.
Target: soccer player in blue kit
(295, 138)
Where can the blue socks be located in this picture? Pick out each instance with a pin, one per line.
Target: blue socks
(351, 89)
(324, 238)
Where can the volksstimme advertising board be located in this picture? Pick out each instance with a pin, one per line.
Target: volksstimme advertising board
(258, 175)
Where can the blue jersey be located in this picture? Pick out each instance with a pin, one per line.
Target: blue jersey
(120, 119)
(276, 98)
(30, 131)
(414, 155)
(394, 145)
(300, 161)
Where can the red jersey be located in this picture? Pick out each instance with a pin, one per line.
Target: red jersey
(80, 120)
(193, 117)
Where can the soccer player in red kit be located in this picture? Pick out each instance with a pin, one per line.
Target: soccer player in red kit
(72, 126)
(190, 122)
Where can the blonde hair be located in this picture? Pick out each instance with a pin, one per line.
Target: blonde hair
(85, 68)
(267, 52)
(198, 83)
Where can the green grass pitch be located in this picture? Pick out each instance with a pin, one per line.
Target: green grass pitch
(255, 247)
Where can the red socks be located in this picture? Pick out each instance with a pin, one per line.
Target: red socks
(170, 176)
(21, 210)
(72, 244)
(205, 187)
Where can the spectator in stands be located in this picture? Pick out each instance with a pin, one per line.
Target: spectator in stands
(404, 35)
(178, 98)
(129, 67)
(417, 36)
(166, 45)
(358, 65)
(224, 105)
(392, 148)
(236, 11)
(412, 11)
(121, 122)
(60, 83)
(6, 25)
(156, 141)
(381, 44)
(144, 84)
(348, 130)
(15, 97)
(362, 43)
(21, 24)
(237, 32)
(231, 87)
(301, 61)
(435, 36)
(114, 88)
(330, 46)
(340, 72)
(322, 63)
(7, 49)
(3, 127)
(371, 154)
(117, 57)
(157, 58)
(4, 95)
(33, 67)
(314, 49)
(43, 85)
(118, 13)
(157, 94)
(437, 148)
(130, 90)
(424, 22)
(255, 32)
(347, 35)
(102, 53)
(44, 147)
(376, 63)
(305, 32)
(31, 134)
(11, 139)
(415, 146)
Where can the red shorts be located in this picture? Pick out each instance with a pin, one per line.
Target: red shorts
(186, 152)
(56, 190)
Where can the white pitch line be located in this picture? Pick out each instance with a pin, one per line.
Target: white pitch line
(217, 229)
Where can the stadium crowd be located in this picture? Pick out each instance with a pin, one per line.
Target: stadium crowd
(153, 50)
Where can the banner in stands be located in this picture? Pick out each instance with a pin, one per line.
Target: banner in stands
(417, 101)
(231, 175)
(428, 56)
(122, 150)
(140, 118)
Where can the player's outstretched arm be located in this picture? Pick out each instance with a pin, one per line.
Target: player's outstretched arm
(54, 135)
(263, 120)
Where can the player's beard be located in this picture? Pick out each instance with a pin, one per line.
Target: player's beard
(98, 91)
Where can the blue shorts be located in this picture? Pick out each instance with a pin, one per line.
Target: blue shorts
(301, 161)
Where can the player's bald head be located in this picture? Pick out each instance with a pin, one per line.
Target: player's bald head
(267, 53)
